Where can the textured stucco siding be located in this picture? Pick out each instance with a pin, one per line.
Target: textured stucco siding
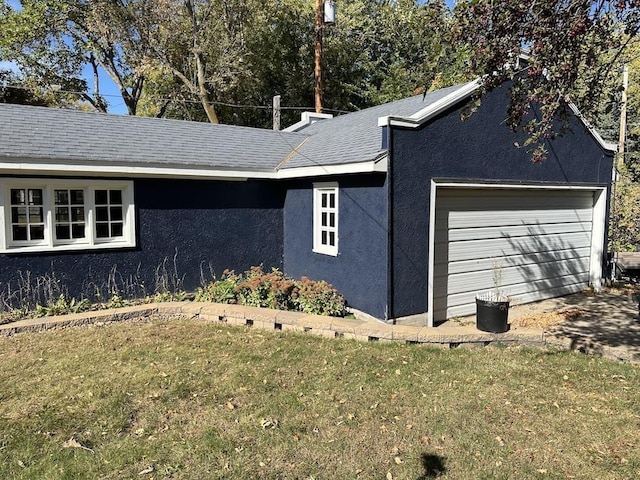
(204, 225)
(481, 148)
(359, 271)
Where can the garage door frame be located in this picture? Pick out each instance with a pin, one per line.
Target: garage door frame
(597, 236)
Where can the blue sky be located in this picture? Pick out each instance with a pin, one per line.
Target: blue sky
(109, 89)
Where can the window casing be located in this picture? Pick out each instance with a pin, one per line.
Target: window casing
(47, 215)
(325, 218)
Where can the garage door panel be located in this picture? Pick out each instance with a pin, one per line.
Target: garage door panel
(478, 219)
(469, 281)
(515, 231)
(542, 240)
(464, 303)
(506, 246)
(483, 200)
(443, 267)
(469, 309)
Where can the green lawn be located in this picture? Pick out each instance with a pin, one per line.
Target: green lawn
(186, 399)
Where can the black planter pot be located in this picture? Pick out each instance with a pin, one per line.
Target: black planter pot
(492, 316)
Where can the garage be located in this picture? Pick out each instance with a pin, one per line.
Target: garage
(537, 241)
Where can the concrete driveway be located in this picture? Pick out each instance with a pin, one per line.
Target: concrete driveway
(607, 319)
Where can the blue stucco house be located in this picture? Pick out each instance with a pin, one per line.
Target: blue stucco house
(405, 208)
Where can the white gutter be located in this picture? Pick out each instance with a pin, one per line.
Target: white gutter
(26, 167)
(420, 117)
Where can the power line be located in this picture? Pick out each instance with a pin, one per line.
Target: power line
(161, 99)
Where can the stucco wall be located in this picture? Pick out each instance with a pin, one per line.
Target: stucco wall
(480, 148)
(359, 271)
(201, 223)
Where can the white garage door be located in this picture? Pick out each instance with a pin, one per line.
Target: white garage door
(540, 240)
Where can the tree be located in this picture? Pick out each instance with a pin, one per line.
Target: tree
(624, 232)
(51, 41)
(13, 90)
(566, 42)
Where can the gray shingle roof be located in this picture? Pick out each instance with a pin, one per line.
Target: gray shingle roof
(356, 137)
(36, 133)
(80, 138)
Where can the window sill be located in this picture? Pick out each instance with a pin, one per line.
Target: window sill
(67, 247)
(331, 253)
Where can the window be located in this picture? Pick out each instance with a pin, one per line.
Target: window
(42, 215)
(69, 214)
(325, 218)
(27, 215)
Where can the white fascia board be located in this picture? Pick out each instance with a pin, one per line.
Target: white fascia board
(612, 147)
(420, 117)
(465, 91)
(26, 167)
(379, 165)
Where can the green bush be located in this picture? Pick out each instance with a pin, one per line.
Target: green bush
(275, 290)
(220, 291)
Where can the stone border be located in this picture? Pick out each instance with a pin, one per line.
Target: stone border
(329, 327)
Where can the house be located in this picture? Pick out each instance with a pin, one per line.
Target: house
(405, 208)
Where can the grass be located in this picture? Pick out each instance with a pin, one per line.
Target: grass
(186, 399)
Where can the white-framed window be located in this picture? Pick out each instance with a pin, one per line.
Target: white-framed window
(53, 214)
(325, 218)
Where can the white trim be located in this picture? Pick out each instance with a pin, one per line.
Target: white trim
(307, 118)
(50, 244)
(432, 250)
(597, 234)
(612, 147)
(26, 167)
(379, 165)
(318, 228)
(517, 186)
(465, 91)
(418, 118)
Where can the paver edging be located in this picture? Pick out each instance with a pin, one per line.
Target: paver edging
(330, 327)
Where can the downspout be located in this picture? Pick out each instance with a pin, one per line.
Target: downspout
(390, 276)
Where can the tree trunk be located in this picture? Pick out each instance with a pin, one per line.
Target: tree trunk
(203, 93)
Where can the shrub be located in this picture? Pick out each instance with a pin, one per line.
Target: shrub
(274, 290)
(319, 298)
(220, 291)
(270, 290)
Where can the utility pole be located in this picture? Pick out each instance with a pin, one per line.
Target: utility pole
(623, 117)
(319, 86)
(276, 112)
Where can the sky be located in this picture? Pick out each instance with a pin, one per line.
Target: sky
(108, 88)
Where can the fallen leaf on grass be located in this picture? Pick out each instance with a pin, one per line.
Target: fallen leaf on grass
(73, 443)
(147, 470)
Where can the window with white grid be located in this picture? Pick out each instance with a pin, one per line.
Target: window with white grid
(56, 214)
(325, 218)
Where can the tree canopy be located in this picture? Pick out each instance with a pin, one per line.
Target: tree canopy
(198, 59)
(572, 47)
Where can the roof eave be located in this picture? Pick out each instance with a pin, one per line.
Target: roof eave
(30, 166)
(430, 111)
(610, 147)
(24, 166)
(378, 165)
